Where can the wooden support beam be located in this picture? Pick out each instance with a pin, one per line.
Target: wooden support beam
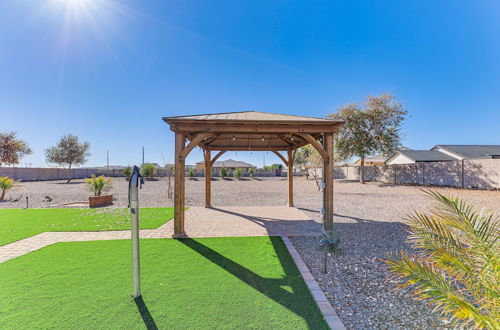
(290, 177)
(328, 179)
(220, 153)
(194, 142)
(245, 148)
(179, 183)
(285, 161)
(242, 128)
(208, 179)
(316, 145)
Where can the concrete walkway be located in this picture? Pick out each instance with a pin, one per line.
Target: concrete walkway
(200, 222)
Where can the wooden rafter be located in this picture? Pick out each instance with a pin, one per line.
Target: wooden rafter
(194, 142)
(220, 153)
(281, 156)
(282, 138)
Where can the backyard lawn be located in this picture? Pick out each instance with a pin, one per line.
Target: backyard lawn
(243, 282)
(17, 224)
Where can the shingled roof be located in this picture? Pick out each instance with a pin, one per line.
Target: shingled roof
(423, 156)
(471, 151)
(230, 163)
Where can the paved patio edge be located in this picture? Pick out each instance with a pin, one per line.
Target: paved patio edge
(324, 305)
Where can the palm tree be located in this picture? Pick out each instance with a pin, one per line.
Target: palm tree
(456, 262)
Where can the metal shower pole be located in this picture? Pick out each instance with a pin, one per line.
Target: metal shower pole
(136, 181)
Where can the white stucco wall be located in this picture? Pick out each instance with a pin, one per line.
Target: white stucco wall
(400, 159)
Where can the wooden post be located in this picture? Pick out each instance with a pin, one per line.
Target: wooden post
(290, 177)
(180, 141)
(208, 179)
(328, 179)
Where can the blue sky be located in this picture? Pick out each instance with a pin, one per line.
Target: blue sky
(108, 71)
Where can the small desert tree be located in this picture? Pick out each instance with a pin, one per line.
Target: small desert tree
(148, 170)
(68, 152)
(223, 172)
(238, 172)
(301, 155)
(170, 175)
(315, 161)
(127, 171)
(12, 149)
(251, 170)
(372, 128)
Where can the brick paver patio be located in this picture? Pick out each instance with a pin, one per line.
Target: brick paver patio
(200, 222)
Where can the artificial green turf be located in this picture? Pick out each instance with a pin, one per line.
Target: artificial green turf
(16, 224)
(210, 283)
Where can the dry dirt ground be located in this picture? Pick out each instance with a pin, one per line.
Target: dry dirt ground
(368, 220)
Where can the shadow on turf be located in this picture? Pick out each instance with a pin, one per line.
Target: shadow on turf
(149, 322)
(272, 288)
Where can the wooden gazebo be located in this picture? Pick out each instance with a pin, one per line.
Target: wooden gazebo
(251, 131)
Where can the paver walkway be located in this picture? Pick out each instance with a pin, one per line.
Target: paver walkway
(199, 222)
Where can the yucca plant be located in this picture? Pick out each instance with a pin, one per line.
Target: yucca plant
(456, 264)
(98, 184)
(6, 184)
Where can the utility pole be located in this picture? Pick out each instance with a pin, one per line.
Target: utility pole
(142, 155)
(107, 159)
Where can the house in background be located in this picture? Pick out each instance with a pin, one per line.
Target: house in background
(460, 152)
(379, 159)
(444, 153)
(230, 164)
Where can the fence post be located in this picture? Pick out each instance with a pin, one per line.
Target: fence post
(463, 172)
(423, 173)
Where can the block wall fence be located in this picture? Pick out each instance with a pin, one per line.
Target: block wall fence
(42, 173)
(472, 174)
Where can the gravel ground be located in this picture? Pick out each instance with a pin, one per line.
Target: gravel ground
(368, 219)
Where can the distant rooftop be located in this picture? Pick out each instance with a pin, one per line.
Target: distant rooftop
(425, 155)
(471, 151)
(230, 163)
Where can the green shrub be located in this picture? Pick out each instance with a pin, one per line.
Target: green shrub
(5, 185)
(223, 172)
(251, 170)
(190, 172)
(98, 184)
(456, 264)
(148, 170)
(238, 172)
(127, 172)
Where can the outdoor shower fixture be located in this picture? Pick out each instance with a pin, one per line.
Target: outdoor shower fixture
(136, 182)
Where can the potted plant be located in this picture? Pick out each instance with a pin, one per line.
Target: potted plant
(97, 185)
(6, 184)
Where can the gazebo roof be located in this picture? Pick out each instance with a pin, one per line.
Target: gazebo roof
(252, 130)
(248, 116)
